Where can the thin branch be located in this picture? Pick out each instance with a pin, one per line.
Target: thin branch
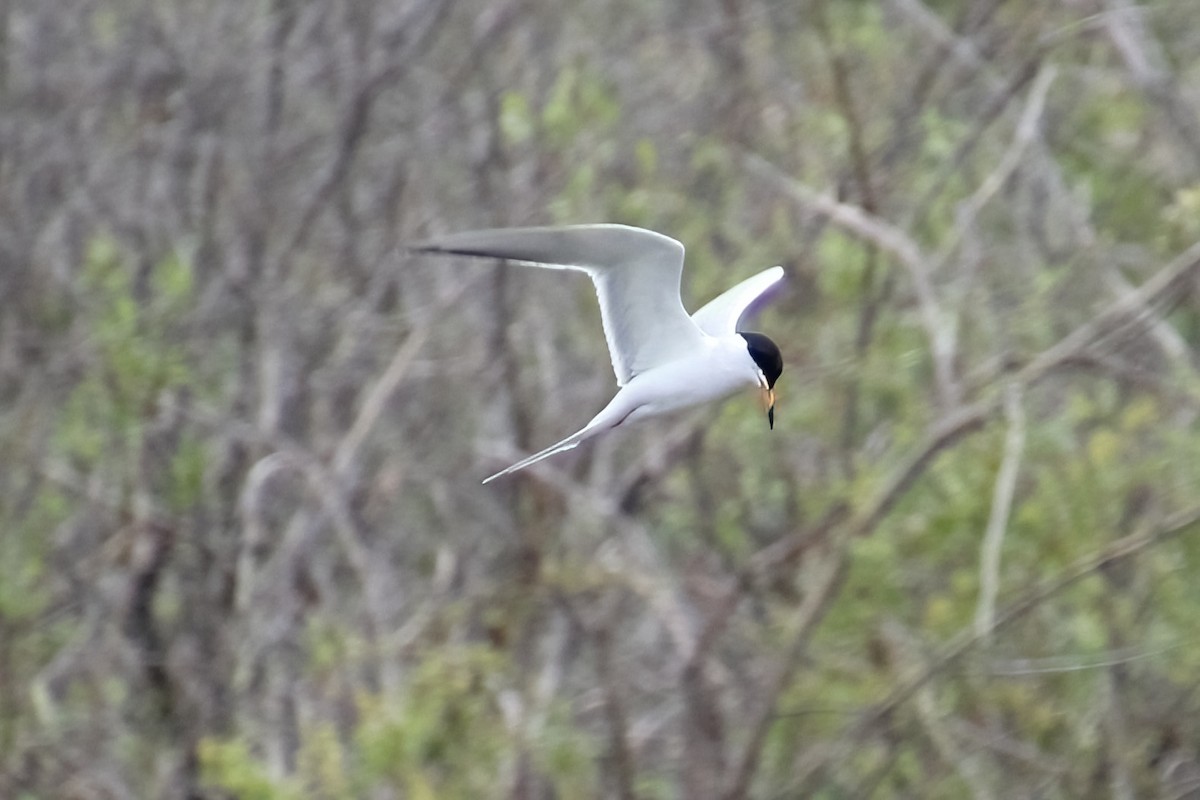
(623, 767)
(1170, 280)
(821, 590)
(1174, 526)
(405, 40)
(960, 48)
(1002, 498)
(966, 421)
(1012, 668)
(332, 500)
(1003, 93)
(963, 761)
(377, 398)
(1147, 66)
(889, 239)
(1027, 132)
(760, 568)
(1172, 343)
(1006, 745)
(703, 733)
(855, 221)
(871, 297)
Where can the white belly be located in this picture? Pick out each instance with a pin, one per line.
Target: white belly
(721, 369)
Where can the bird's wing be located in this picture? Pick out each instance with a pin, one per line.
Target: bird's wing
(636, 273)
(721, 315)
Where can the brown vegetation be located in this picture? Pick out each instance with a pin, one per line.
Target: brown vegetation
(244, 551)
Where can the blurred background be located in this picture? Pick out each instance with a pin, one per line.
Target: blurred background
(244, 552)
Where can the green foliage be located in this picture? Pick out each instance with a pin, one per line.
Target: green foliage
(442, 736)
(25, 587)
(578, 102)
(137, 357)
(1182, 219)
(842, 261)
(188, 465)
(574, 124)
(130, 333)
(517, 122)
(566, 755)
(426, 639)
(1127, 196)
(230, 765)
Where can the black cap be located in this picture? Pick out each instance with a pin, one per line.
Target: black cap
(766, 355)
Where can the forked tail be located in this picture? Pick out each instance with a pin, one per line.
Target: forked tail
(568, 443)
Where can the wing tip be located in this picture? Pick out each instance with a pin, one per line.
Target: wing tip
(422, 246)
(436, 247)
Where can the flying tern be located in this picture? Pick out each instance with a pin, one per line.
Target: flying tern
(665, 360)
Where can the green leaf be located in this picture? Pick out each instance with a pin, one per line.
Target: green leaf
(516, 120)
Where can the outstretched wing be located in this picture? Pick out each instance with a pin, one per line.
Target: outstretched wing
(636, 273)
(721, 315)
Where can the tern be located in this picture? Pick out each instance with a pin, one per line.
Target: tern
(665, 359)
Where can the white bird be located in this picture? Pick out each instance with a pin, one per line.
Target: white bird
(665, 360)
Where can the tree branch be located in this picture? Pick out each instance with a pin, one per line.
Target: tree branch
(1174, 526)
(1002, 498)
(890, 239)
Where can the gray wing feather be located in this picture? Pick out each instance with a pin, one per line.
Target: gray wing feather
(721, 316)
(636, 273)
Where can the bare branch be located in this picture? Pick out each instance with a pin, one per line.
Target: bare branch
(890, 239)
(624, 768)
(821, 590)
(1148, 67)
(1002, 498)
(1174, 526)
(373, 406)
(1026, 134)
(1130, 307)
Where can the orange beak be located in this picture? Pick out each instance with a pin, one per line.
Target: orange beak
(768, 401)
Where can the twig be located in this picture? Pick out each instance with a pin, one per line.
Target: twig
(966, 421)
(373, 406)
(1002, 497)
(962, 49)
(889, 239)
(1131, 306)
(333, 502)
(1026, 135)
(871, 298)
(961, 760)
(812, 610)
(1011, 668)
(1169, 339)
(614, 710)
(1126, 547)
(1148, 67)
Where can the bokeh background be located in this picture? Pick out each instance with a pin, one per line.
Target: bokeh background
(244, 552)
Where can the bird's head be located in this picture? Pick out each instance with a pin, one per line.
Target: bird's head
(770, 366)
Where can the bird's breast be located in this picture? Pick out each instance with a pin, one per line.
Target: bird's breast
(715, 372)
